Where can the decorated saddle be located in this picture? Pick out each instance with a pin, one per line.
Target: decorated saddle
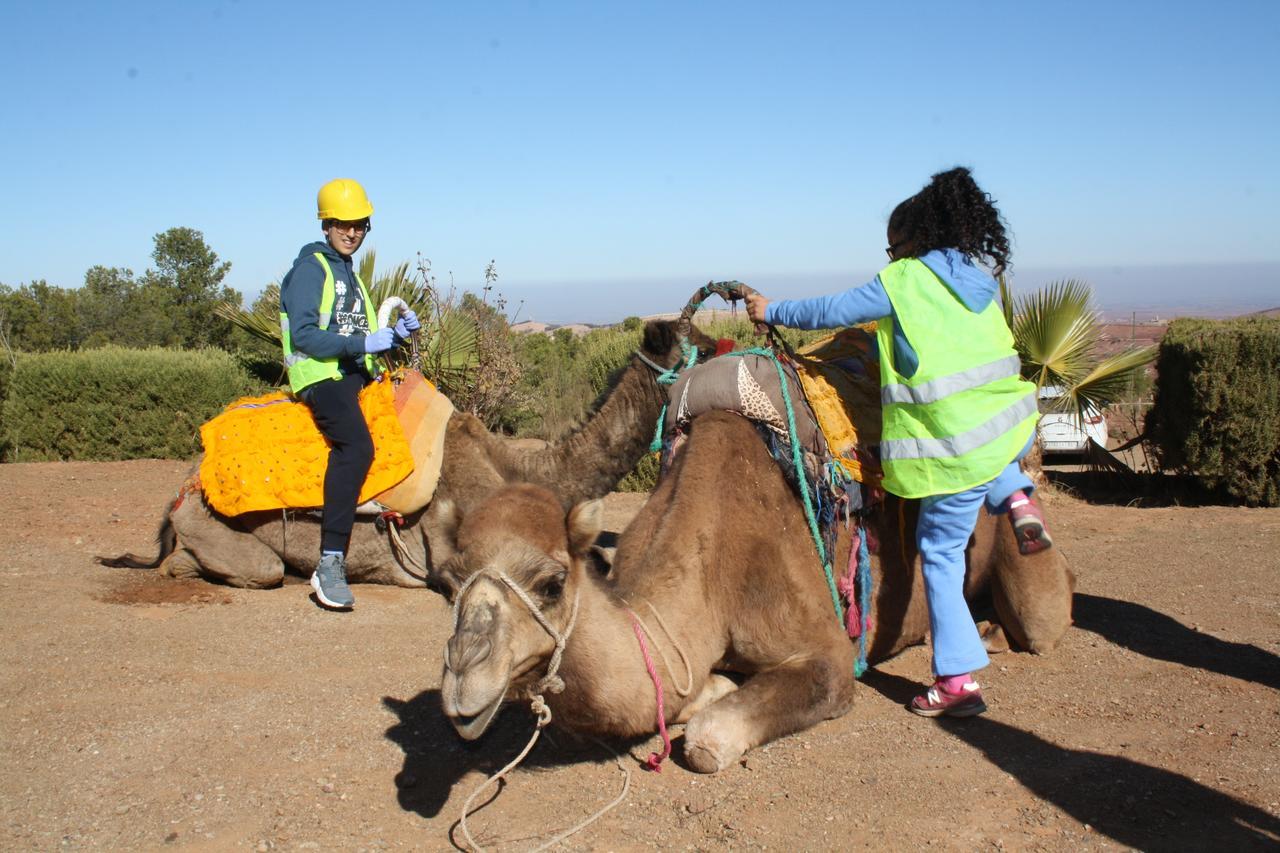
(825, 397)
(267, 452)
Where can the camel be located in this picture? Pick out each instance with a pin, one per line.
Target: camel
(253, 549)
(720, 569)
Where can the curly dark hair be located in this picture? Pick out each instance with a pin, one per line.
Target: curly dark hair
(952, 212)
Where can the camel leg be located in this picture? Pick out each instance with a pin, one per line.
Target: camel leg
(993, 637)
(222, 552)
(789, 697)
(1031, 594)
(715, 688)
(181, 564)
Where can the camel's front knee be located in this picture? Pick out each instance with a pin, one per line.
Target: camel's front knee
(716, 687)
(771, 704)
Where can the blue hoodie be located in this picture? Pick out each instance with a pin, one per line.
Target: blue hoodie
(300, 298)
(970, 283)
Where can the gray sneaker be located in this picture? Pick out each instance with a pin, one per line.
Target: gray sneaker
(330, 583)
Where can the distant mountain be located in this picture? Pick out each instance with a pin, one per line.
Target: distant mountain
(1270, 312)
(532, 327)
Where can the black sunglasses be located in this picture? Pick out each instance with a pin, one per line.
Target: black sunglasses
(360, 226)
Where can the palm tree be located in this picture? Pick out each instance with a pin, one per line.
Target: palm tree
(449, 354)
(1056, 331)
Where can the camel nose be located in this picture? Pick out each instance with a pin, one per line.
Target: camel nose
(466, 649)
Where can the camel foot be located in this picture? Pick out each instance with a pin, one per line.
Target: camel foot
(708, 749)
(993, 637)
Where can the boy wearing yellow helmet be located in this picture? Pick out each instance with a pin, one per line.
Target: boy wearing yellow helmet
(330, 335)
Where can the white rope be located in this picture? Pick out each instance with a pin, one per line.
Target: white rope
(688, 670)
(657, 368)
(401, 551)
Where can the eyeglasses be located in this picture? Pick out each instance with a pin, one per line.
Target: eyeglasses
(892, 250)
(360, 226)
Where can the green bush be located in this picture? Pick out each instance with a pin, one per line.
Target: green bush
(1217, 405)
(114, 403)
(564, 373)
(6, 371)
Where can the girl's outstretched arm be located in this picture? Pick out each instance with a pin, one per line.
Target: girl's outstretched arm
(856, 305)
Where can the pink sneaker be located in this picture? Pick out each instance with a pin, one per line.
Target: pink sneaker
(936, 701)
(1028, 524)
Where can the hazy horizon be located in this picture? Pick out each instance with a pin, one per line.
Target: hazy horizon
(1120, 291)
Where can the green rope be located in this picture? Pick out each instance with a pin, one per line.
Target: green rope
(669, 377)
(798, 460)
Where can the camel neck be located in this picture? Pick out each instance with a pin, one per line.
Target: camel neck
(589, 462)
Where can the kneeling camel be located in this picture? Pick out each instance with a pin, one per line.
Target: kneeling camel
(252, 550)
(719, 573)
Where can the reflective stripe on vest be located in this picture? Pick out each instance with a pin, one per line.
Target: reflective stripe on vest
(305, 370)
(945, 386)
(958, 445)
(966, 412)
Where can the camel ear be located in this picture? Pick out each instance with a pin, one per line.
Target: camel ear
(586, 520)
(659, 337)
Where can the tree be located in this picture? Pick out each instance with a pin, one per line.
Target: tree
(39, 317)
(116, 309)
(186, 284)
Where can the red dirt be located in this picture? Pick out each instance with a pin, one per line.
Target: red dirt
(136, 714)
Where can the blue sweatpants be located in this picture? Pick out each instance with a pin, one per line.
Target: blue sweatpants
(942, 533)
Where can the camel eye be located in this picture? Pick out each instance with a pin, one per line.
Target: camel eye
(552, 588)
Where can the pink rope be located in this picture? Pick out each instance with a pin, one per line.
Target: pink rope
(847, 585)
(655, 760)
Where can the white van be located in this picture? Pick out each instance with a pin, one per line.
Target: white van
(1063, 432)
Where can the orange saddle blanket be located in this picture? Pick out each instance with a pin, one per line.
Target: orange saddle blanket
(267, 452)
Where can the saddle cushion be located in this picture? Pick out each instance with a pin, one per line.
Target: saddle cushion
(267, 452)
(749, 385)
(841, 379)
(423, 413)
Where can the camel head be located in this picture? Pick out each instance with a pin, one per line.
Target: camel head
(661, 342)
(518, 559)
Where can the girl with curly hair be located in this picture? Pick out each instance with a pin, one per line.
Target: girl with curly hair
(958, 417)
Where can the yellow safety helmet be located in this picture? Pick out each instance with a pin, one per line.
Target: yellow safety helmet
(343, 198)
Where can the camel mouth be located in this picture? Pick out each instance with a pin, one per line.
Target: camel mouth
(470, 727)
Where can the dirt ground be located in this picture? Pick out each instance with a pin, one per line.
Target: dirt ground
(142, 713)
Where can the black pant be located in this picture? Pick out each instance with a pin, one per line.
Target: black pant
(335, 405)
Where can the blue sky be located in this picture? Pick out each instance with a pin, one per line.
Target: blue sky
(613, 156)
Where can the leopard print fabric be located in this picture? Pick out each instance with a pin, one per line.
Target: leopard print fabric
(756, 404)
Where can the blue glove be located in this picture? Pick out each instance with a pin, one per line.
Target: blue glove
(407, 323)
(380, 341)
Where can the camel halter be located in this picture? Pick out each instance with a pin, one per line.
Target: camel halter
(550, 683)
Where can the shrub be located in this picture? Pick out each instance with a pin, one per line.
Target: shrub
(115, 403)
(1217, 405)
(6, 371)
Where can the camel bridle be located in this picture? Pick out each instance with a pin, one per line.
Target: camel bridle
(551, 682)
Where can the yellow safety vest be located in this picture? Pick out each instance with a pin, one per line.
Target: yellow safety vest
(305, 370)
(966, 413)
